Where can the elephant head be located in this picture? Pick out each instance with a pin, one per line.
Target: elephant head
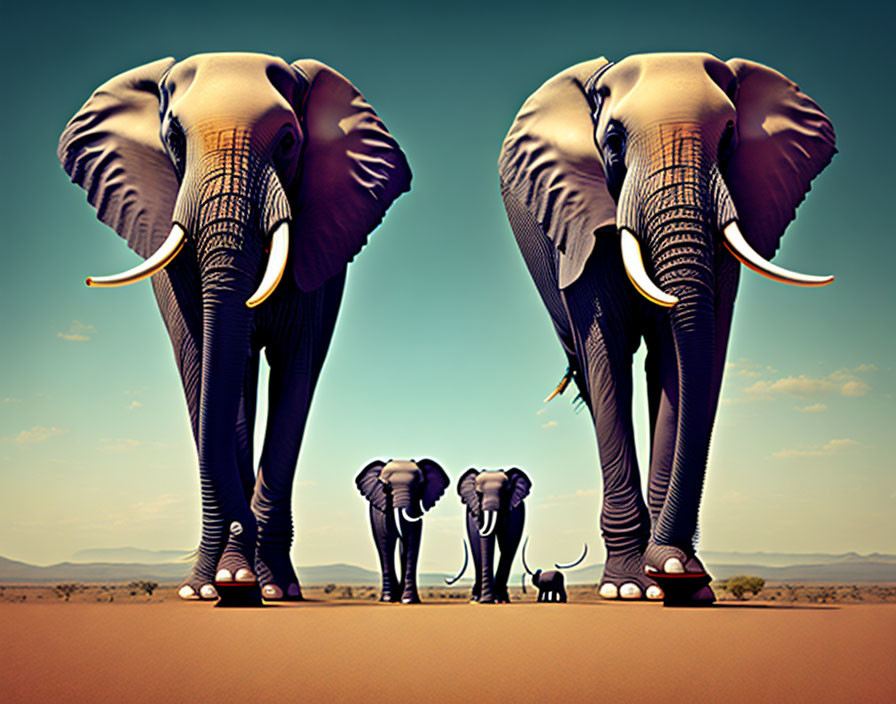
(488, 492)
(672, 163)
(407, 488)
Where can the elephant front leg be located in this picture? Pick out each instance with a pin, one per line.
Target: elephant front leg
(177, 293)
(385, 536)
(412, 533)
(296, 330)
(476, 549)
(603, 314)
(509, 532)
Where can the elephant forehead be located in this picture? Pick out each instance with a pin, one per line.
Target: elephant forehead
(237, 82)
(399, 470)
(490, 479)
(645, 88)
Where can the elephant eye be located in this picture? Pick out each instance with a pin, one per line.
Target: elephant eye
(177, 145)
(727, 144)
(614, 158)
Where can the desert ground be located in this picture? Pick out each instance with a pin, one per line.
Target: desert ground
(116, 643)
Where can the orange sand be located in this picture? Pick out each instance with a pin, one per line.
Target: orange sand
(348, 652)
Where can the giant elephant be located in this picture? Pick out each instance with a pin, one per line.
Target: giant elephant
(495, 510)
(257, 168)
(400, 492)
(696, 164)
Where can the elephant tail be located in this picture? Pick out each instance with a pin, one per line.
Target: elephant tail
(525, 566)
(561, 387)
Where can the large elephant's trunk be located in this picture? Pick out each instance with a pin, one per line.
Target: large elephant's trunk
(229, 200)
(681, 197)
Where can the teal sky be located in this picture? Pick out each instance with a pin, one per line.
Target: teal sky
(442, 348)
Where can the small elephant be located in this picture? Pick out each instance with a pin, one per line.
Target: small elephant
(635, 190)
(495, 509)
(551, 584)
(399, 492)
(247, 184)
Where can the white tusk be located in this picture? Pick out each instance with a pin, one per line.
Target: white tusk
(409, 518)
(157, 261)
(634, 267)
(750, 258)
(276, 265)
(396, 514)
(490, 520)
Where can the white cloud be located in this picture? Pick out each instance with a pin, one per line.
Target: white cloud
(124, 444)
(550, 424)
(38, 433)
(133, 405)
(843, 382)
(77, 332)
(812, 408)
(833, 447)
(9, 399)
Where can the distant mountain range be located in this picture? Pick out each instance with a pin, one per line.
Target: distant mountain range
(124, 564)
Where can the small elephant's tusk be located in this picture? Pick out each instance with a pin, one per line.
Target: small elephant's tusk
(276, 264)
(634, 267)
(408, 517)
(490, 521)
(573, 564)
(156, 262)
(750, 258)
(396, 514)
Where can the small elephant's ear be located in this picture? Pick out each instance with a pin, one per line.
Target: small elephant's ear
(551, 170)
(784, 141)
(435, 482)
(112, 149)
(519, 486)
(466, 488)
(370, 486)
(352, 171)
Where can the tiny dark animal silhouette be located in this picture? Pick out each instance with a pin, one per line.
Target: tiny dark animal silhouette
(550, 583)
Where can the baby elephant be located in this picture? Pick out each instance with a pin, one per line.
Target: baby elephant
(550, 583)
(399, 492)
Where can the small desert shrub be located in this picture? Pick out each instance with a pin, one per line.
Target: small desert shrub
(741, 584)
(346, 593)
(144, 586)
(329, 588)
(66, 590)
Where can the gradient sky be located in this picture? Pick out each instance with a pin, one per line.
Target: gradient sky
(443, 348)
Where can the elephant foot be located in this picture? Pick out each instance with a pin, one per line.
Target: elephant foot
(502, 598)
(198, 587)
(235, 568)
(624, 578)
(389, 598)
(681, 575)
(276, 576)
(410, 597)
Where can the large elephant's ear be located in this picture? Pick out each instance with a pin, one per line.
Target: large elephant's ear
(352, 171)
(466, 489)
(435, 481)
(112, 149)
(518, 485)
(370, 486)
(784, 141)
(551, 171)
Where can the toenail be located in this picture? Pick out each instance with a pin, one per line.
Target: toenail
(654, 592)
(630, 591)
(673, 566)
(186, 592)
(608, 591)
(224, 576)
(244, 575)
